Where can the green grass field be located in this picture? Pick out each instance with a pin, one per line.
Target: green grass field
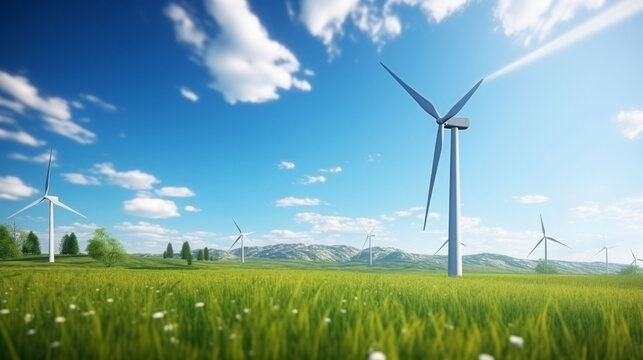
(148, 308)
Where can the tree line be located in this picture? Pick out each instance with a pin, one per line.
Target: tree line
(186, 253)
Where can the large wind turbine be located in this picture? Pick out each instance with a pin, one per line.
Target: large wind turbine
(545, 238)
(53, 200)
(634, 262)
(242, 236)
(607, 266)
(369, 235)
(455, 124)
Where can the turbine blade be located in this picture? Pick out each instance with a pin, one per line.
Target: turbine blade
(542, 225)
(599, 251)
(554, 240)
(463, 244)
(363, 246)
(444, 243)
(436, 159)
(532, 250)
(48, 172)
(235, 242)
(59, 203)
(424, 103)
(456, 108)
(27, 207)
(634, 256)
(235, 224)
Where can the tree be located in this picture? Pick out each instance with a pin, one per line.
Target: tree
(544, 268)
(169, 252)
(31, 245)
(104, 248)
(64, 244)
(199, 255)
(629, 270)
(206, 254)
(8, 247)
(72, 246)
(185, 250)
(164, 254)
(189, 258)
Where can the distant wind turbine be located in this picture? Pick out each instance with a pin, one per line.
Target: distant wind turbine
(607, 265)
(634, 262)
(455, 124)
(242, 237)
(369, 235)
(53, 200)
(545, 238)
(444, 243)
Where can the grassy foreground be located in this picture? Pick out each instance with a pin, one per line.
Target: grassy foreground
(151, 308)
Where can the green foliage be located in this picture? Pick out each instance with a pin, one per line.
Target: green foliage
(185, 251)
(104, 248)
(199, 255)
(629, 270)
(545, 268)
(8, 247)
(164, 254)
(206, 254)
(70, 246)
(169, 251)
(31, 246)
(189, 259)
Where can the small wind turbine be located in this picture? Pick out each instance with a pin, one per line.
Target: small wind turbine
(369, 235)
(545, 238)
(53, 200)
(242, 236)
(607, 266)
(444, 243)
(634, 262)
(455, 124)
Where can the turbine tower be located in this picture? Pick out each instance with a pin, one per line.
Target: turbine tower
(607, 266)
(53, 200)
(242, 237)
(447, 121)
(369, 235)
(545, 238)
(634, 262)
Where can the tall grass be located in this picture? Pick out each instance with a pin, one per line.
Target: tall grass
(259, 313)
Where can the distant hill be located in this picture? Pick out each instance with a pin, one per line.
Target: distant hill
(390, 255)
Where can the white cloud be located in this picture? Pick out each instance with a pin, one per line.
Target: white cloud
(21, 137)
(145, 230)
(245, 63)
(40, 159)
(15, 106)
(286, 165)
(81, 179)
(191, 208)
(82, 231)
(69, 129)
(531, 199)
(314, 179)
(151, 207)
(403, 213)
(7, 120)
(76, 104)
(132, 179)
(175, 191)
(98, 101)
(189, 94)
(293, 201)
(324, 223)
(586, 210)
(630, 123)
(279, 235)
(12, 188)
(334, 170)
(435, 10)
(325, 19)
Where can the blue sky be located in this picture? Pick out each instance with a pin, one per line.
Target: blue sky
(168, 119)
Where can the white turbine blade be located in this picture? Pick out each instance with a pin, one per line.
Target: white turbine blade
(363, 246)
(463, 244)
(238, 228)
(250, 233)
(436, 159)
(554, 240)
(48, 172)
(57, 202)
(532, 250)
(27, 207)
(634, 256)
(542, 225)
(599, 251)
(235, 242)
(424, 103)
(444, 243)
(456, 108)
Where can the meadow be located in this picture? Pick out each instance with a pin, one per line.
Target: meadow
(151, 308)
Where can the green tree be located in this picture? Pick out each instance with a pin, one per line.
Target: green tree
(206, 254)
(64, 244)
(31, 246)
(544, 268)
(189, 258)
(169, 251)
(164, 254)
(104, 248)
(8, 247)
(199, 255)
(72, 246)
(185, 250)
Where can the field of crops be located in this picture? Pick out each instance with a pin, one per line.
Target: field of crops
(157, 308)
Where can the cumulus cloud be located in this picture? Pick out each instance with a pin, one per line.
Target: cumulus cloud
(175, 191)
(531, 199)
(333, 170)
(98, 101)
(82, 231)
(42, 158)
(12, 188)
(132, 179)
(279, 235)
(81, 179)
(326, 223)
(586, 210)
(313, 179)
(630, 123)
(191, 208)
(286, 165)
(21, 137)
(293, 201)
(150, 207)
(245, 63)
(189, 94)
(15, 106)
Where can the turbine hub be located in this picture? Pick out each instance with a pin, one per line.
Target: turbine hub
(457, 122)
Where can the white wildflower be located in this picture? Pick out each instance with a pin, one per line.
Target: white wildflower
(170, 327)
(246, 310)
(516, 341)
(72, 306)
(54, 344)
(158, 315)
(484, 356)
(4, 311)
(199, 304)
(327, 320)
(28, 317)
(238, 317)
(31, 332)
(295, 311)
(343, 311)
(59, 319)
(232, 336)
(174, 340)
(110, 300)
(88, 313)
(377, 355)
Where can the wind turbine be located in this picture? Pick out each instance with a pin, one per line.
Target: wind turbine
(454, 124)
(634, 262)
(53, 200)
(369, 235)
(444, 243)
(607, 266)
(545, 238)
(241, 237)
